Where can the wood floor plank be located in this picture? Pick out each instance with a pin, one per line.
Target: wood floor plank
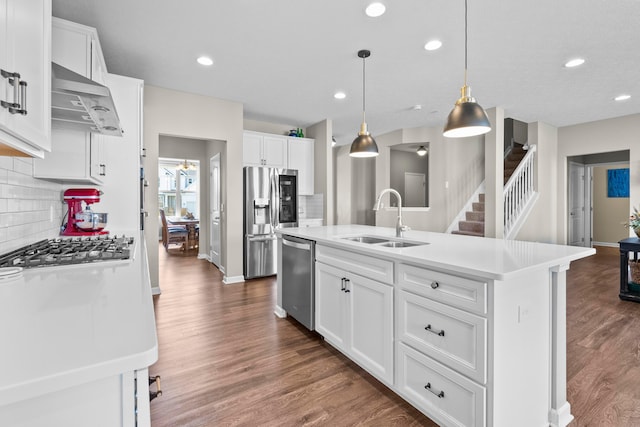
(227, 360)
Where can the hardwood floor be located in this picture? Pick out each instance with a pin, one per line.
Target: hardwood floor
(227, 360)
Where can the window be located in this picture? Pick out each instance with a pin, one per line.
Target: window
(178, 187)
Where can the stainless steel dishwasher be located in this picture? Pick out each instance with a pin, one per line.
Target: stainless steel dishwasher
(298, 300)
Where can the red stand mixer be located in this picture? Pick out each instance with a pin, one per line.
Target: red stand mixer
(83, 222)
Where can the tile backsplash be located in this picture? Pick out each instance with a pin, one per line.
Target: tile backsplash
(30, 209)
(310, 206)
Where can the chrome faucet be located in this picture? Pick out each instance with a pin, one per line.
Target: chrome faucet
(400, 229)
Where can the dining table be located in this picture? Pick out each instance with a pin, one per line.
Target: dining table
(191, 225)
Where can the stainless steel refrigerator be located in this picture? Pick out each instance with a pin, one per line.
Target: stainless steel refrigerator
(270, 202)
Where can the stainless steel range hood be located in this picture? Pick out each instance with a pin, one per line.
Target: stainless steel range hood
(80, 103)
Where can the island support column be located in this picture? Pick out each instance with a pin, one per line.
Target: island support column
(560, 411)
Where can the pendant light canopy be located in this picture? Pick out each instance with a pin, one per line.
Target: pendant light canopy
(364, 145)
(421, 151)
(467, 117)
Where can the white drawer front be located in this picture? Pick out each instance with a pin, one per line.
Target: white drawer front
(365, 265)
(451, 336)
(457, 291)
(451, 399)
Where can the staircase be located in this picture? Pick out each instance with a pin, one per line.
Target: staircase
(512, 161)
(473, 224)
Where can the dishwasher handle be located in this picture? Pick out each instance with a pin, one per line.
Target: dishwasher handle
(291, 243)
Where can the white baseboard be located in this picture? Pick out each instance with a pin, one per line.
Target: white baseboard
(610, 245)
(280, 312)
(227, 280)
(204, 256)
(560, 417)
(155, 290)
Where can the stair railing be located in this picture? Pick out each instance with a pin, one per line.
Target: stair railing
(519, 190)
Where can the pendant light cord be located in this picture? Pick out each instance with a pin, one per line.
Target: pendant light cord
(465, 42)
(363, 90)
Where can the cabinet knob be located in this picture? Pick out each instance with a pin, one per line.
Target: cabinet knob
(435, 285)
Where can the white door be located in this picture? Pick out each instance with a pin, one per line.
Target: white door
(414, 191)
(214, 168)
(576, 204)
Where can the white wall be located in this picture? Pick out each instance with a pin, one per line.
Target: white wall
(323, 174)
(173, 113)
(456, 169)
(30, 209)
(620, 133)
(541, 224)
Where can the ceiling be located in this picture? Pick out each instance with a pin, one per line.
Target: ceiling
(284, 59)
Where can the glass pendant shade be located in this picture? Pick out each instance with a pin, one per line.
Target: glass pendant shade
(421, 151)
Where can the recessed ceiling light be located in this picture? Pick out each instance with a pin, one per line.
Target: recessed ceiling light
(340, 95)
(375, 9)
(205, 60)
(433, 45)
(574, 63)
(622, 97)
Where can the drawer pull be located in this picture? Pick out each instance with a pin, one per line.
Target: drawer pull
(435, 285)
(433, 331)
(440, 395)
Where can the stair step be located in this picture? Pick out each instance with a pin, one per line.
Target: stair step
(474, 226)
(481, 197)
(478, 207)
(511, 164)
(468, 233)
(474, 216)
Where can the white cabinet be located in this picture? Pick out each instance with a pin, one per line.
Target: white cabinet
(355, 314)
(300, 157)
(79, 156)
(25, 85)
(76, 156)
(264, 150)
(77, 47)
(115, 401)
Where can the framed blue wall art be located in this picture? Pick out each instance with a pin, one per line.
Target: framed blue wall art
(618, 182)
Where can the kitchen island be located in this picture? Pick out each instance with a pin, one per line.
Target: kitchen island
(471, 331)
(76, 344)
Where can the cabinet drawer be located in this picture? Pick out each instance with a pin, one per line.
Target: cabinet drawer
(454, 337)
(365, 265)
(457, 291)
(439, 392)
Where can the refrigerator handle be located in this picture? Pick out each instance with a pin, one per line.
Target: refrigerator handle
(274, 199)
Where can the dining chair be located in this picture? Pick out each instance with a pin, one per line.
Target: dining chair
(172, 234)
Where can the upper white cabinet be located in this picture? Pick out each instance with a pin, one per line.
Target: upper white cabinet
(264, 150)
(25, 85)
(76, 47)
(76, 156)
(278, 151)
(300, 157)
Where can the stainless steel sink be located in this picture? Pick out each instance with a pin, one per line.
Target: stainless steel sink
(399, 244)
(366, 239)
(381, 241)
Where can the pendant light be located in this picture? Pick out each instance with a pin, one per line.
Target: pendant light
(467, 117)
(421, 151)
(364, 145)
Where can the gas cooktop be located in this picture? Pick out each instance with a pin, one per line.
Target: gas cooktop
(67, 251)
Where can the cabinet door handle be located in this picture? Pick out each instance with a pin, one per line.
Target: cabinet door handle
(440, 395)
(14, 80)
(23, 98)
(346, 289)
(433, 331)
(435, 285)
(342, 286)
(103, 169)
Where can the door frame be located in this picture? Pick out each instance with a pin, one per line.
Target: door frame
(215, 199)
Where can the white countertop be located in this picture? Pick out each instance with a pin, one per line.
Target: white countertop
(495, 259)
(64, 326)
